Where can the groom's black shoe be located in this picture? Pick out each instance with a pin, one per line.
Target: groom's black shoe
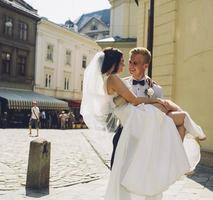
(115, 142)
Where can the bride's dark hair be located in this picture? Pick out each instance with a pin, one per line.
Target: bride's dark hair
(112, 58)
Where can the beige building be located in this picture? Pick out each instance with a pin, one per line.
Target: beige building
(61, 57)
(182, 53)
(95, 29)
(95, 24)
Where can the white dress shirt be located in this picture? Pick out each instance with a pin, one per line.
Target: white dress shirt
(139, 90)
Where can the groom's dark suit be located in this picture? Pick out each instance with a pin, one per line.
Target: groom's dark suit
(138, 90)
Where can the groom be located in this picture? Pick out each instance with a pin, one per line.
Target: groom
(138, 82)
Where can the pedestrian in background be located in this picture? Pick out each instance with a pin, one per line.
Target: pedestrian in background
(63, 118)
(43, 119)
(4, 120)
(34, 119)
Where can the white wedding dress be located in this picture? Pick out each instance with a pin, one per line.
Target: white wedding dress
(150, 155)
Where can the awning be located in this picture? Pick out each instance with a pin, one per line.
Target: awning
(21, 99)
(74, 103)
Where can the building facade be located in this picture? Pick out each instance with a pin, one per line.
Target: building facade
(182, 54)
(18, 27)
(123, 18)
(18, 22)
(95, 25)
(123, 28)
(61, 58)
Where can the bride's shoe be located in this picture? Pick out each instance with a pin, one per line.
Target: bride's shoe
(193, 129)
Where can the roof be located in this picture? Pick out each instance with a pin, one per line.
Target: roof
(102, 15)
(21, 6)
(80, 35)
(22, 99)
(91, 19)
(117, 39)
(69, 23)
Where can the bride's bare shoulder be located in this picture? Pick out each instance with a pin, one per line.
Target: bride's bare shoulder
(114, 81)
(113, 77)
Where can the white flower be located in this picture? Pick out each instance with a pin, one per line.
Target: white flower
(149, 92)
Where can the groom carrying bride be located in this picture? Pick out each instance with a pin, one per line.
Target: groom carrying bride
(138, 83)
(142, 86)
(150, 155)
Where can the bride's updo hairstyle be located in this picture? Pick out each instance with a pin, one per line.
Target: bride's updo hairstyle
(112, 58)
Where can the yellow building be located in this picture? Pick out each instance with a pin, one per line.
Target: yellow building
(123, 28)
(182, 53)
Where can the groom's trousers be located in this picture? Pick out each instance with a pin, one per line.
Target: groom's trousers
(115, 142)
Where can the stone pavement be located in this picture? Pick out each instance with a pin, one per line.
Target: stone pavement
(79, 168)
(73, 161)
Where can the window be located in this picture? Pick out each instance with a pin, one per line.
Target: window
(47, 80)
(23, 31)
(84, 62)
(94, 27)
(8, 26)
(6, 62)
(66, 83)
(50, 52)
(22, 61)
(68, 57)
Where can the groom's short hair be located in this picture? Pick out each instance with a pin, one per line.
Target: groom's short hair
(143, 51)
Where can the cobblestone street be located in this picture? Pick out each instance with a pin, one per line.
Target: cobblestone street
(79, 165)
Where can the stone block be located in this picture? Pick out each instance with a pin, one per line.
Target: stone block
(38, 171)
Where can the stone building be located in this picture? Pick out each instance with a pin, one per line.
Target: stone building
(18, 27)
(95, 25)
(182, 57)
(61, 58)
(18, 21)
(123, 28)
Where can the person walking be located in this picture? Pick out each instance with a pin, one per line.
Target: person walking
(34, 119)
(63, 117)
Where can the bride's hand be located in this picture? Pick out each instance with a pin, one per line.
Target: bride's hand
(171, 105)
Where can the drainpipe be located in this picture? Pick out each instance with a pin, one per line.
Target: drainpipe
(150, 34)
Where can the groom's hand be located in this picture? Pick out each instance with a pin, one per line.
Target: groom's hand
(171, 106)
(160, 107)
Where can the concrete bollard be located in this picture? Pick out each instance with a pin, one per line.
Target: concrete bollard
(38, 171)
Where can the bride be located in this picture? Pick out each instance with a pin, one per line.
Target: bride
(150, 155)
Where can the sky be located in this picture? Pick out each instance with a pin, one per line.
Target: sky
(62, 10)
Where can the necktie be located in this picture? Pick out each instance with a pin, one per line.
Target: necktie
(135, 82)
